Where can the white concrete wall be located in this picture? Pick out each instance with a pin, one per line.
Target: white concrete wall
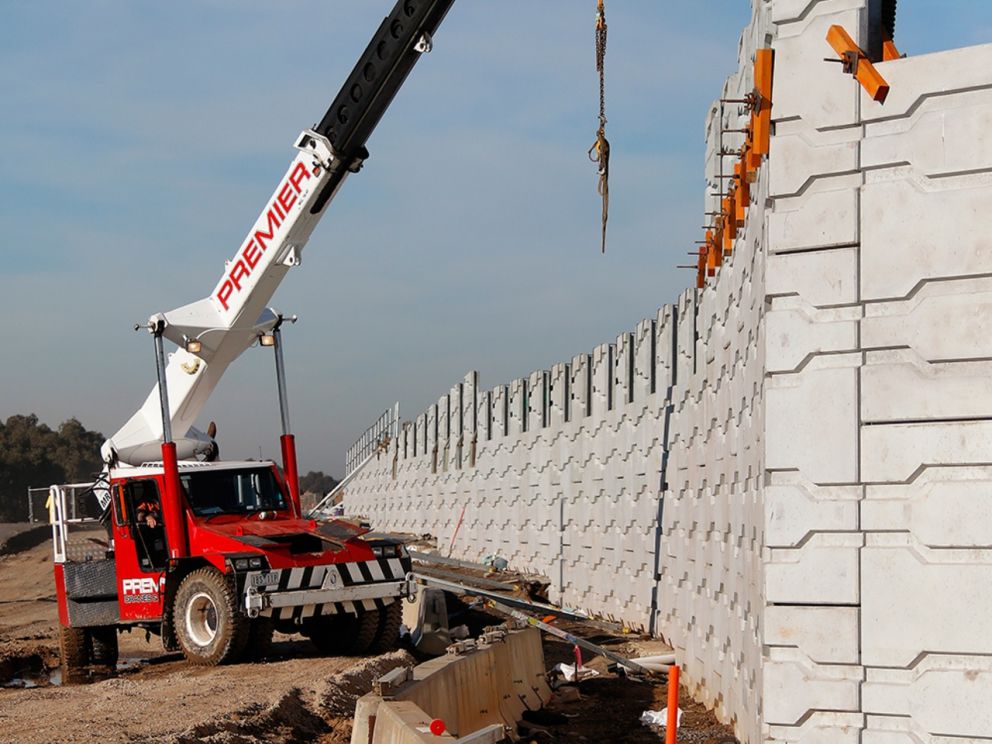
(788, 474)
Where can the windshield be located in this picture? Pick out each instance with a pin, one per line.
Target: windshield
(232, 491)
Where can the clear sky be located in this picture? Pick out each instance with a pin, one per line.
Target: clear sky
(140, 140)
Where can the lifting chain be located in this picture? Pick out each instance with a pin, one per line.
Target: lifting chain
(600, 151)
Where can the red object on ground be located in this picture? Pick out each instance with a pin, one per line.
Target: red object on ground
(578, 660)
(671, 727)
(438, 727)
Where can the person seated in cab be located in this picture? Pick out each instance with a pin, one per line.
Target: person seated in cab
(149, 517)
(149, 513)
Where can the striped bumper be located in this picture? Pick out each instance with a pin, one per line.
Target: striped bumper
(299, 593)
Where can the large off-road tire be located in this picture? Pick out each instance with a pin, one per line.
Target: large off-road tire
(104, 645)
(387, 634)
(367, 627)
(205, 615)
(75, 652)
(260, 631)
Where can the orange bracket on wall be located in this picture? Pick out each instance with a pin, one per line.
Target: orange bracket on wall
(761, 115)
(857, 63)
(742, 195)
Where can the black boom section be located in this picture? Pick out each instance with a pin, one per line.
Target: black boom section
(889, 17)
(371, 86)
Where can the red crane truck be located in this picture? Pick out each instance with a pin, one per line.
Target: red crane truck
(215, 556)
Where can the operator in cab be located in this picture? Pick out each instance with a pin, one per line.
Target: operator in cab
(150, 513)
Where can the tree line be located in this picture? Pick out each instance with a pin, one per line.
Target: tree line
(34, 455)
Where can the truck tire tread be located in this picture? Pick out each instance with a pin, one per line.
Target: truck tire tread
(75, 653)
(232, 627)
(387, 635)
(103, 641)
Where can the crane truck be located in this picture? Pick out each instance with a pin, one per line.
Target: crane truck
(231, 557)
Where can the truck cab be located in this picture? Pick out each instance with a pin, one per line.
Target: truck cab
(250, 564)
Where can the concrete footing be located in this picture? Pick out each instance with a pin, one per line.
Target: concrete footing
(475, 686)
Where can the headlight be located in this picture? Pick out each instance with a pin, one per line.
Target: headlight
(244, 564)
(386, 551)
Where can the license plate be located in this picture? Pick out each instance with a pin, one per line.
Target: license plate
(265, 579)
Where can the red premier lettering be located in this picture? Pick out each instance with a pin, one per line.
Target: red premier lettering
(251, 252)
(273, 223)
(286, 198)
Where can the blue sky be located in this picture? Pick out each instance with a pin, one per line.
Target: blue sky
(140, 141)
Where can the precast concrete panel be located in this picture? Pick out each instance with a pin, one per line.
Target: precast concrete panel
(785, 473)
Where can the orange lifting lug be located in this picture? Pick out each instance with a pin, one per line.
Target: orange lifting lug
(856, 63)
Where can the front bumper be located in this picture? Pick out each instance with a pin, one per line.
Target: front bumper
(296, 594)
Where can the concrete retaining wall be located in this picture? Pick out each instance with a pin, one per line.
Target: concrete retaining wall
(787, 473)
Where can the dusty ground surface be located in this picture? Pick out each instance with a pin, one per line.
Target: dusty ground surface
(16, 536)
(295, 696)
(611, 706)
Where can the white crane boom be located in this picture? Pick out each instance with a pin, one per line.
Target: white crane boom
(228, 321)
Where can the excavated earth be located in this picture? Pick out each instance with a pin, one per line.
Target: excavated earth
(295, 696)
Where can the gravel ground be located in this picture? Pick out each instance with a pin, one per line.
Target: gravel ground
(296, 696)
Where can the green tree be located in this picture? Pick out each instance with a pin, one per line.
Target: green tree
(32, 454)
(317, 482)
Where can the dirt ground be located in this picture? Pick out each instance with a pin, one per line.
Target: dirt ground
(296, 696)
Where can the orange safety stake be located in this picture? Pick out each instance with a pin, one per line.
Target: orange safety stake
(672, 722)
(857, 63)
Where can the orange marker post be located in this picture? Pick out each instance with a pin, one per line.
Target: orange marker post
(672, 723)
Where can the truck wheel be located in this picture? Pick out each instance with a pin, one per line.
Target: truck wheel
(332, 634)
(75, 653)
(208, 625)
(344, 634)
(367, 626)
(387, 634)
(104, 643)
(260, 632)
